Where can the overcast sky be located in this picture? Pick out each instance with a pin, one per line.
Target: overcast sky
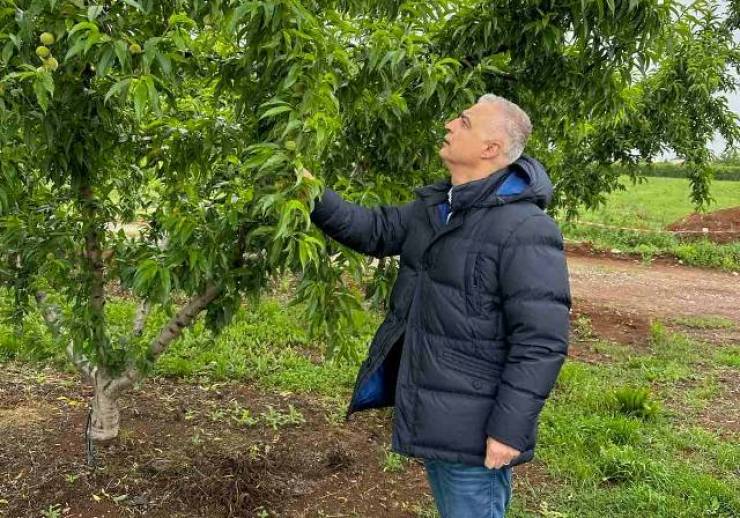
(734, 98)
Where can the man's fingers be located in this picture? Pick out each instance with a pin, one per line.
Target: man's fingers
(496, 463)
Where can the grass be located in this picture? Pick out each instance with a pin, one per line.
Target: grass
(612, 458)
(721, 170)
(619, 438)
(651, 206)
(657, 202)
(706, 322)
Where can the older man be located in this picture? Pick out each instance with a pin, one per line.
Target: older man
(477, 327)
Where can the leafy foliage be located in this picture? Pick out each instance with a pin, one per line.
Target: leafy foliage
(191, 119)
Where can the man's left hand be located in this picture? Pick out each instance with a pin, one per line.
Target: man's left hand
(499, 454)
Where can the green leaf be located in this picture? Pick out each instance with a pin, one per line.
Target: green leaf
(94, 11)
(122, 54)
(76, 48)
(105, 62)
(117, 88)
(134, 3)
(164, 63)
(90, 26)
(145, 274)
(153, 95)
(7, 52)
(141, 95)
(275, 111)
(42, 88)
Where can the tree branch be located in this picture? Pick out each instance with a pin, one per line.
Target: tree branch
(182, 319)
(140, 320)
(51, 314)
(95, 268)
(169, 332)
(81, 362)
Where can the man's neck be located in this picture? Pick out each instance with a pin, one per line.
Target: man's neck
(460, 174)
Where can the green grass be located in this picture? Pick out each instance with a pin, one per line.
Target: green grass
(658, 202)
(266, 343)
(652, 205)
(729, 357)
(610, 460)
(720, 170)
(706, 322)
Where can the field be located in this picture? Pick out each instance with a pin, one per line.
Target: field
(643, 421)
(650, 207)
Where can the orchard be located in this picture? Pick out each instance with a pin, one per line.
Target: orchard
(194, 119)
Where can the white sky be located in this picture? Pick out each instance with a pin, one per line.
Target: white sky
(718, 144)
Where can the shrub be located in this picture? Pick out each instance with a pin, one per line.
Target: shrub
(626, 464)
(636, 402)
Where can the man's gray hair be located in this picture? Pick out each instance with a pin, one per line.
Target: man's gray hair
(517, 125)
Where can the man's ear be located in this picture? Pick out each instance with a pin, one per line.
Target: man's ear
(491, 150)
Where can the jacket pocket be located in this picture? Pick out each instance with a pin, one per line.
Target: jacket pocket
(473, 283)
(473, 366)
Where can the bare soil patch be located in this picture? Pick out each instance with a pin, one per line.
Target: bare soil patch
(604, 323)
(613, 324)
(182, 452)
(178, 455)
(656, 290)
(721, 226)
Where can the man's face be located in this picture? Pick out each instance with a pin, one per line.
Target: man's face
(474, 136)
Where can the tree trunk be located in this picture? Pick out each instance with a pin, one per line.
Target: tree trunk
(105, 417)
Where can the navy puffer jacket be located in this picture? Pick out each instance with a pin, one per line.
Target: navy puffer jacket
(477, 328)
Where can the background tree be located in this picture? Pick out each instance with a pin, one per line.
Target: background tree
(194, 117)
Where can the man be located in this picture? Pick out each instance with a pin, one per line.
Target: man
(477, 327)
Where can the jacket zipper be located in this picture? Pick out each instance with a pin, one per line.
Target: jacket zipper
(449, 202)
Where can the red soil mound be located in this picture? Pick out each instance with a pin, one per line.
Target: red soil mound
(722, 226)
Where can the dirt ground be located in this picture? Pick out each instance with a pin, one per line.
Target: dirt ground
(632, 293)
(182, 452)
(178, 455)
(722, 226)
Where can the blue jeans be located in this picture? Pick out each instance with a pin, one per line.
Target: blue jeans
(463, 491)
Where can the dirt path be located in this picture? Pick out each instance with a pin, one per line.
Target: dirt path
(656, 290)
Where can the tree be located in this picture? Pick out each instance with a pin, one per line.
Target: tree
(196, 116)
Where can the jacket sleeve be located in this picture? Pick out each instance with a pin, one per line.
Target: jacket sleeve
(535, 295)
(379, 231)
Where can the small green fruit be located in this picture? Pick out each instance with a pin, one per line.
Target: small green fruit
(51, 64)
(290, 145)
(43, 52)
(47, 39)
(134, 48)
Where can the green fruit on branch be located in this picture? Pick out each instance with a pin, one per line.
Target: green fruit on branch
(134, 48)
(51, 64)
(290, 145)
(47, 38)
(43, 52)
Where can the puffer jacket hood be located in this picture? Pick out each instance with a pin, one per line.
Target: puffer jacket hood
(484, 192)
